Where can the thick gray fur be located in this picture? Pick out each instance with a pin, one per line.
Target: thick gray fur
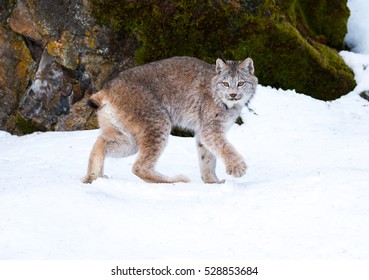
(137, 110)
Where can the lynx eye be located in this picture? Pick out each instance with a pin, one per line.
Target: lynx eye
(241, 84)
(226, 84)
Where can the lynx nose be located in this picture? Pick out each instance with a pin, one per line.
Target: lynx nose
(233, 95)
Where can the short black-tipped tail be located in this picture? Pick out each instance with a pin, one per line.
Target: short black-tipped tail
(94, 101)
(92, 104)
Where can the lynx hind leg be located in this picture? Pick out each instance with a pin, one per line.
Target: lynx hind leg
(151, 145)
(112, 142)
(207, 163)
(120, 144)
(96, 161)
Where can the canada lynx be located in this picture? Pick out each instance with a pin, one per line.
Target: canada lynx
(137, 110)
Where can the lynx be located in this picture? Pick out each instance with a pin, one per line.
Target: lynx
(137, 110)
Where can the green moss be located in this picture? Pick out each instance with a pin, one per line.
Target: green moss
(169, 28)
(328, 19)
(26, 126)
(323, 21)
(285, 38)
(285, 59)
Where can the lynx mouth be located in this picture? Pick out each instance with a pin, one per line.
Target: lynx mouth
(234, 98)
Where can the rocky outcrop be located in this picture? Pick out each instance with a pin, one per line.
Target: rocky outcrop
(53, 91)
(55, 53)
(16, 70)
(69, 57)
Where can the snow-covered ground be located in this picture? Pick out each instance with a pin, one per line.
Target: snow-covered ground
(305, 195)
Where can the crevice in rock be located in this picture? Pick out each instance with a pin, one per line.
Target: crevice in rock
(34, 48)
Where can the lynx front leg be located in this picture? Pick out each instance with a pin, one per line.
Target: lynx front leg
(96, 161)
(218, 144)
(207, 163)
(235, 164)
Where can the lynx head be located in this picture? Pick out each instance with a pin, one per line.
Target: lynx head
(234, 83)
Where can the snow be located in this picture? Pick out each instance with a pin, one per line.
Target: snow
(357, 37)
(305, 195)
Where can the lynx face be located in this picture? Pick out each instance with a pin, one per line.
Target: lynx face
(235, 83)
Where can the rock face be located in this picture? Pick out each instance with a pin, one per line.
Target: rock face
(55, 53)
(16, 70)
(53, 57)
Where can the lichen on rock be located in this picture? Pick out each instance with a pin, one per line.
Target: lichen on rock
(16, 69)
(65, 51)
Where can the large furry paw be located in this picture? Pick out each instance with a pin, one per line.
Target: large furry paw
(88, 179)
(181, 179)
(237, 169)
(215, 182)
(212, 180)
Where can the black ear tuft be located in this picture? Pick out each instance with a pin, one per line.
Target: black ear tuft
(221, 65)
(248, 66)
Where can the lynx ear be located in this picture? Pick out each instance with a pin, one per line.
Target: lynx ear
(247, 65)
(220, 66)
